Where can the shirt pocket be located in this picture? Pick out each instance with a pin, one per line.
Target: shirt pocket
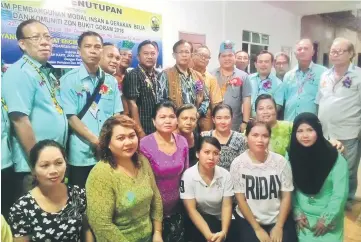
(107, 104)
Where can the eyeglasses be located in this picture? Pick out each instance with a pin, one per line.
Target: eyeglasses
(183, 53)
(337, 52)
(202, 56)
(38, 38)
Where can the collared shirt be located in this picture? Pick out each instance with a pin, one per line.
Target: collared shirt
(271, 85)
(208, 198)
(24, 91)
(233, 95)
(76, 85)
(6, 160)
(215, 97)
(188, 90)
(340, 104)
(136, 88)
(300, 89)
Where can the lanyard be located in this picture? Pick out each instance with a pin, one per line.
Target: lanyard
(150, 79)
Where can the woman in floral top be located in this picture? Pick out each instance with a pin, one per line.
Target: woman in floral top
(233, 143)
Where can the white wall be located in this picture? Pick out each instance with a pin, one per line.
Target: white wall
(220, 20)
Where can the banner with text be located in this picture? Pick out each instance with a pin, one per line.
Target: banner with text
(67, 19)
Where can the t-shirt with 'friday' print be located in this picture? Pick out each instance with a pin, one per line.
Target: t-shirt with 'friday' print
(262, 184)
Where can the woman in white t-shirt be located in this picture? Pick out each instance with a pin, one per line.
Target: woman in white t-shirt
(263, 184)
(207, 190)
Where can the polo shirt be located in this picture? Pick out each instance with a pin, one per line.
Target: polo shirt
(299, 90)
(271, 85)
(340, 104)
(262, 184)
(6, 160)
(76, 85)
(233, 95)
(27, 91)
(208, 198)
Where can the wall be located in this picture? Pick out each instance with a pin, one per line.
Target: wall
(219, 21)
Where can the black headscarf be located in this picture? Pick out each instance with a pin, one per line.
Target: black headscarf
(311, 165)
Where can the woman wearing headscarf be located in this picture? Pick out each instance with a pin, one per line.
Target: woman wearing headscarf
(320, 177)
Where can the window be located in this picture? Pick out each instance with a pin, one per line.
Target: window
(253, 43)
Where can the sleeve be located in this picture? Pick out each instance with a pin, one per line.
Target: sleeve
(336, 204)
(143, 148)
(186, 187)
(162, 87)
(247, 88)
(286, 177)
(278, 95)
(19, 220)
(6, 235)
(297, 212)
(131, 86)
(215, 91)
(68, 96)
(156, 207)
(239, 185)
(319, 93)
(19, 91)
(100, 212)
(203, 108)
(228, 186)
(118, 105)
(281, 93)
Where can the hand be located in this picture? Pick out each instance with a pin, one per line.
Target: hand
(243, 127)
(338, 145)
(209, 237)
(219, 237)
(319, 229)
(276, 234)
(302, 223)
(262, 235)
(157, 237)
(94, 141)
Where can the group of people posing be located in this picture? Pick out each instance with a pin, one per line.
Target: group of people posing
(182, 154)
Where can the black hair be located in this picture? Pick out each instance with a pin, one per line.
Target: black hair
(209, 140)
(20, 28)
(147, 42)
(88, 33)
(164, 104)
(239, 51)
(181, 42)
(253, 123)
(265, 52)
(265, 97)
(202, 47)
(155, 44)
(221, 106)
(185, 107)
(108, 44)
(38, 147)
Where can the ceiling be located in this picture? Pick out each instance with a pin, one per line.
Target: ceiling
(315, 7)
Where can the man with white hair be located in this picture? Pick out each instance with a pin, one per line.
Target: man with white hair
(339, 100)
(300, 85)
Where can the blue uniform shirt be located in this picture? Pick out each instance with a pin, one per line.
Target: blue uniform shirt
(24, 91)
(6, 160)
(76, 85)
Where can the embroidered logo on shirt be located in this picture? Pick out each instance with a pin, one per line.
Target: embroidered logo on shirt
(347, 82)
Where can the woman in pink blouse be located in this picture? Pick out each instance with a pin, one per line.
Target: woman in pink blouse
(167, 153)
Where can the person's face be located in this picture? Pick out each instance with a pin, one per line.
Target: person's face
(208, 156)
(266, 111)
(37, 42)
(148, 56)
(242, 60)
(125, 58)
(222, 120)
(183, 54)
(258, 139)
(227, 59)
(187, 121)
(124, 142)
(339, 54)
(110, 60)
(201, 58)
(306, 135)
(281, 65)
(264, 64)
(165, 121)
(304, 50)
(90, 50)
(50, 167)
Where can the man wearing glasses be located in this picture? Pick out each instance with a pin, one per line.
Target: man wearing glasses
(201, 57)
(300, 85)
(182, 84)
(339, 100)
(242, 60)
(30, 92)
